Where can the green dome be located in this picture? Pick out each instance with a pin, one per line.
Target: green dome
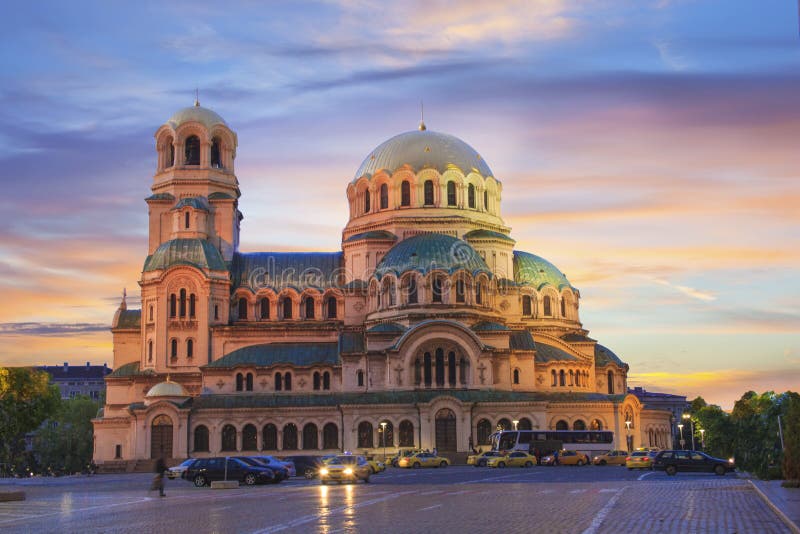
(428, 252)
(531, 270)
(196, 252)
(195, 113)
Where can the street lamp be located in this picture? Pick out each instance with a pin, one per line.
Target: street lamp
(515, 421)
(683, 441)
(383, 438)
(688, 417)
(628, 435)
(703, 438)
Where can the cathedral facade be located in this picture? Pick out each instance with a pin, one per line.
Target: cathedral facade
(427, 329)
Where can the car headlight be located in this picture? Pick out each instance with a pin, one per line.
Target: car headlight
(323, 471)
(730, 460)
(348, 471)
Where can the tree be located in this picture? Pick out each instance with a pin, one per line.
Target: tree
(65, 440)
(791, 437)
(755, 423)
(697, 404)
(719, 440)
(26, 399)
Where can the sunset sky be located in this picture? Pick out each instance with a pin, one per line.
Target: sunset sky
(648, 148)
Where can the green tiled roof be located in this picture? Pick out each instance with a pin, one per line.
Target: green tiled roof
(604, 356)
(130, 319)
(351, 342)
(234, 401)
(198, 203)
(576, 337)
(489, 326)
(196, 252)
(265, 355)
(487, 234)
(548, 353)
(220, 196)
(521, 340)
(390, 328)
(376, 234)
(532, 270)
(161, 196)
(278, 270)
(130, 369)
(427, 252)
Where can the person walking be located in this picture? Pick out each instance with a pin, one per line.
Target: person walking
(435, 451)
(555, 458)
(538, 454)
(158, 480)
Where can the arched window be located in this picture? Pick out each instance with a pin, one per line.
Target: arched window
(326, 381)
(428, 190)
(524, 424)
(249, 442)
(516, 376)
(405, 193)
(471, 196)
(417, 372)
(331, 307)
(192, 306)
(309, 307)
(216, 161)
(451, 193)
(239, 381)
(150, 351)
(310, 437)
(436, 289)
(287, 381)
(216, 312)
(451, 369)
(173, 349)
(269, 437)
(562, 425)
(183, 303)
(571, 377)
(228, 438)
(486, 200)
(428, 369)
(248, 383)
(242, 309)
(554, 377)
(391, 291)
(317, 381)
(360, 378)
(546, 306)
(460, 292)
(186, 219)
(189, 348)
(264, 308)
(406, 436)
(367, 199)
(596, 424)
(192, 151)
(562, 378)
(563, 308)
(384, 196)
(479, 293)
(365, 435)
(286, 306)
(504, 424)
(150, 313)
(201, 439)
(330, 436)
(484, 430)
(290, 437)
(611, 382)
(170, 153)
(278, 382)
(173, 305)
(579, 424)
(463, 370)
(527, 309)
(385, 434)
(412, 290)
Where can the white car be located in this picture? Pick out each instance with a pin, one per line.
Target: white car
(177, 471)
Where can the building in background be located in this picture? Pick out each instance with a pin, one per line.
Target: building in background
(74, 380)
(676, 405)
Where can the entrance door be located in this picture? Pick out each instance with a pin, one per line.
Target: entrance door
(446, 430)
(161, 437)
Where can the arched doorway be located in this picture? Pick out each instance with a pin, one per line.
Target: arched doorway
(446, 430)
(161, 437)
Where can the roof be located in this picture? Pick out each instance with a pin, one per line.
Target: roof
(167, 389)
(300, 270)
(487, 234)
(350, 342)
(423, 149)
(220, 196)
(521, 340)
(198, 203)
(548, 353)
(161, 196)
(375, 234)
(604, 356)
(268, 354)
(390, 328)
(195, 113)
(232, 401)
(129, 319)
(196, 252)
(532, 270)
(487, 326)
(130, 369)
(69, 372)
(427, 252)
(575, 337)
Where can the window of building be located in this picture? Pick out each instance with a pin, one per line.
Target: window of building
(365, 435)
(189, 348)
(264, 308)
(249, 382)
(384, 196)
(186, 219)
(173, 349)
(471, 196)
(117, 452)
(278, 382)
(516, 376)
(183, 303)
(286, 306)
(331, 307)
(239, 381)
(228, 438)
(192, 151)
(413, 297)
(249, 433)
(504, 424)
(269, 437)
(427, 369)
(611, 382)
(417, 372)
(287, 381)
(242, 309)
(360, 378)
(330, 436)
(546, 305)
(563, 308)
(571, 377)
(310, 437)
(406, 434)
(150, 313)
(150, 351)
(216, 312)
(554, 377)
(596, 424)
(579, 424)
(216, 161)
(309, 307)
(317, 381)
(428, 192)
(451, 369)
(170, 153)
(524, 424)
(451, 193)
(405, 193)
(192, 306)
(290, 437)
(436, 289)
(562, 425)
(562, 378)
(366, 201)
(484, 430)
(479, 293)
(527, 309)
(460, 291)
(385, 434)
(326, 380)
(486, 200)
(463, 368)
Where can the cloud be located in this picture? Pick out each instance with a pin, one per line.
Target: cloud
(50, 329)
(685, 290)
(668, 55)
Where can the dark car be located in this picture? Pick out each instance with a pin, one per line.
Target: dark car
(279, 473)
(696, 461)
(305, 465)
(273, 463)
(205, 470)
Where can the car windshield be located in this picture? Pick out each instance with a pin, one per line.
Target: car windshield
(186, 463)
(344, 460)
(639, 453)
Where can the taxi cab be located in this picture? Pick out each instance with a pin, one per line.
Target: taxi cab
(639, 460)
(345, 468)
(479, 460)
(610, 458)
(375, 465)
(423, 459)
(515, 459)
(566, 457)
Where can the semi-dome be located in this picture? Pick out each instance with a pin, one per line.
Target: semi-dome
(167, 389)
(196, 113)
(423, 149)
(191, 251)
(531, 270)
(428, 252)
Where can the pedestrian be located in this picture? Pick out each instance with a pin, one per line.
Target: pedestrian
(435, 452)
(158, 480)
(555, 458)
(538, 454)
(471, 445)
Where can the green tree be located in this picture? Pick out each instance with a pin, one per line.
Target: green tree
(697, 404)
(65, 440)
(791, 437)
(26, 399)
(755, 423)
(718, 430)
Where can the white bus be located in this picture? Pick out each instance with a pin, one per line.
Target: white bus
(591, 442)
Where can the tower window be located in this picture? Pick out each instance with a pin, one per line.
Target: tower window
(215, 154)
(451, 193)
(192, 305)
(264, 308)
(331, 305)
(150, 351)
(478, 293)
(516, 376)
(384, 196)
(309, 308)
(287, 381)
(186, 219)
(326, 380)
(242, 309)
(216, 312)
(249, 382)
(366, 201)
(405, 193)
(547, 306)
(183, 303)
(174, 348)
(170, 153)
(460, 293)
(189, 348)
(150, 313)
(287, 308)
(428, 192)
(239, 382)
(173, 304)
(192, 151)
(412, 290)
(360, 378)
(436, 289)
(471, 196)
(278, 382)
(316, 381)
(563, 308)
(526, 305)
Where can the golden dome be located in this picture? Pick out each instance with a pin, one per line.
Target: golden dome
(167, 389)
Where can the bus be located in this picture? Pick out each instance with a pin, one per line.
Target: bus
(591, 442)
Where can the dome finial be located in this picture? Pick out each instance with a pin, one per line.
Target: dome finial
(196, 97)
(422, 126)
(124, 305)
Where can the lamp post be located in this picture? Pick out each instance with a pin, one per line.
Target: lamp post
(383, 438)
(628, 435)
(515, 422)
(683, 441)
(672, 428)
(687, 417)
(703, 438)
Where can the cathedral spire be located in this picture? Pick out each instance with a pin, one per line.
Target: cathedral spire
(124, 305)
(422, 126)
(196, 97)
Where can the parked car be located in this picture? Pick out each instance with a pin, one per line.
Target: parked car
(479, 460)
(639, 460)
(274, 463)
(423, 459)
(610, 458)
(674, 461)
(345, 468)
(306, 466)
(566, 457)
(177, 471)
(514, 459)
(203, 471)
(280, 472)
(402, 453)
(375, 465)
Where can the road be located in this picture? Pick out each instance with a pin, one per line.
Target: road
(461, 499)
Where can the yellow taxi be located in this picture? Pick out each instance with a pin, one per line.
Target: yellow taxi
(479, 460)
(566, 457)
(375, 465)
(423, 459)
(514, 459)
(610, 458)
(639, 460)
(345, 468)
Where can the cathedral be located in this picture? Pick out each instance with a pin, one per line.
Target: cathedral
(428, 329)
